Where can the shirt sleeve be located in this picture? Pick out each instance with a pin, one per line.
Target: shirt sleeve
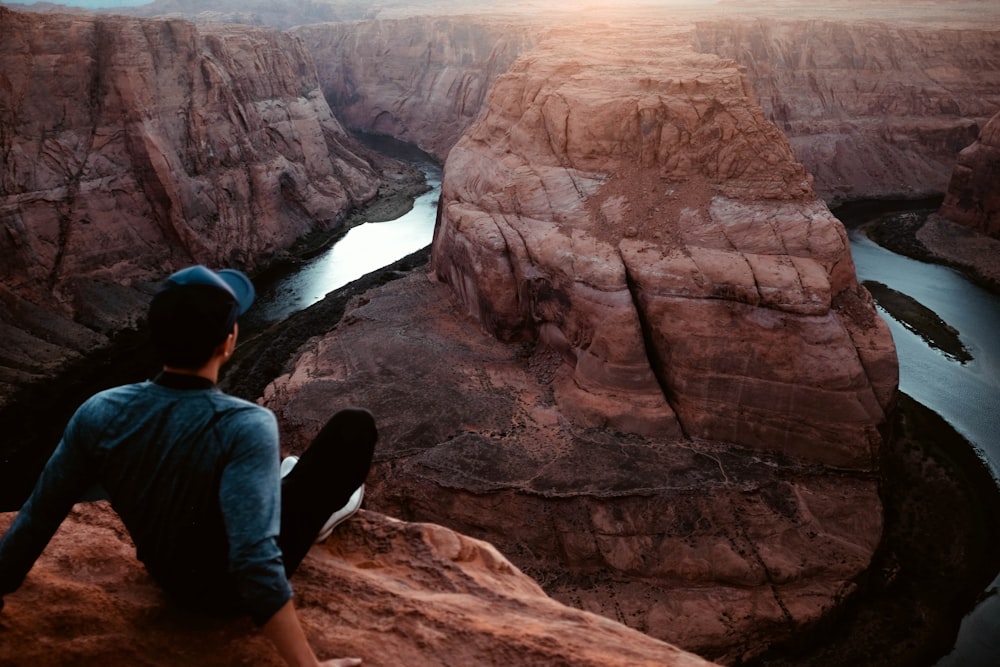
(68, 473)
(250, 498)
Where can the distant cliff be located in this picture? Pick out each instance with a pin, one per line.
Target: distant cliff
(973, 197)
(421, 80)
(133, 147)
(871, 109)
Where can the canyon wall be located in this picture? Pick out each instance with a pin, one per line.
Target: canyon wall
(421, 80)
(973, 197)
(133, 147)
(872, 109)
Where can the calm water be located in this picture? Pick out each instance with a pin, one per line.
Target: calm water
(364, 249)
(967, 396)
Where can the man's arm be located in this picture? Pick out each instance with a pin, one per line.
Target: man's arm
(64, 479)
(285, 632)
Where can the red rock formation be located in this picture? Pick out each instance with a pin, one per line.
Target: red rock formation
(390, 592)
(421, 80)
(871, 108)
(718, 549)
(973, 197)
(632, 209)
(132, 147)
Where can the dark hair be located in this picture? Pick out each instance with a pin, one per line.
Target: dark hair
(188, 322)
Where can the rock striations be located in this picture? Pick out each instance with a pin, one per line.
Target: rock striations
(131, 147)
(421, 80)
(673, 416)
(871, 108)
(389, 592)
(973, 197)
(640, 216)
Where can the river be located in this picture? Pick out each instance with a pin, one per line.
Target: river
(967, 395)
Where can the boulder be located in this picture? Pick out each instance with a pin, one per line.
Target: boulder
(390, 592)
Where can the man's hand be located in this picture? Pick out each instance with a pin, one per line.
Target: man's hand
(342, 662)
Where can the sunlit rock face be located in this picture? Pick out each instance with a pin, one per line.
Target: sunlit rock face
(633, 210)
(421, 80)
(132, 148)
(871, 109)
(973, 197)
(389, 592)
(644, 368)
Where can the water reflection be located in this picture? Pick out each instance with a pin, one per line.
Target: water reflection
(366, 248)
(967, 396)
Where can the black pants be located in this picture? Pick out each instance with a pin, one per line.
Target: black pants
(327, 474)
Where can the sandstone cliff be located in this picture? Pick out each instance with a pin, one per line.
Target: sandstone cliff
(672, 415)
(421, 80)
(391, 593)
(639, 215)
(130, 148)
(973, 197)
(871, 108)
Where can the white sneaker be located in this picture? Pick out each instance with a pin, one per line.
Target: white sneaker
(343, 514)
(287, 464)
(340, 516)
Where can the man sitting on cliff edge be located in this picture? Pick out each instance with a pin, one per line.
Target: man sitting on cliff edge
(194, 473)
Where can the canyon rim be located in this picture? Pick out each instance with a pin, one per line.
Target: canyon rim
(641, 364)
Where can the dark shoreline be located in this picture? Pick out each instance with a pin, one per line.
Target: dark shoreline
(939, 552)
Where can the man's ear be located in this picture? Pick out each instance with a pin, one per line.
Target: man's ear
(229, 344)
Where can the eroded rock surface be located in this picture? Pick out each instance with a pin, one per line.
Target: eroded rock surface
(390, 592)
(973, 197)
(638, 214)
(872, 108)
(714, 548)
(131, 148)
(421, 80)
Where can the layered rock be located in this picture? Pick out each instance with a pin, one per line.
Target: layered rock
(973, 197)
(871, 108)
(638, 215)
(389, 592)
(421, 80)
(671, 416)
(718, 549)
(131, 148)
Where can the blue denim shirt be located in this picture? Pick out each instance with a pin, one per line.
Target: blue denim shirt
(193, 473)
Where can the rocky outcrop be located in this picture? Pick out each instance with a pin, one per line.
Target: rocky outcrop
(421, 80)
(390, 592)
(871, 108)
(133, 147)
(973, 197)
(637, 214)
(715, 548)
(673, 416)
